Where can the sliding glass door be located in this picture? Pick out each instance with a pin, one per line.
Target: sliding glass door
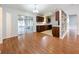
(28, 24)
(25, 24)
(21, 25)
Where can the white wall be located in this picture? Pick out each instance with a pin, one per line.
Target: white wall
(9, 27)
(10, 18)
(74, 11)
(73, 21)
(78, 24)
(53, 21)
(0, 24)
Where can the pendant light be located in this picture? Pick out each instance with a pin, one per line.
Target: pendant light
(35, 10)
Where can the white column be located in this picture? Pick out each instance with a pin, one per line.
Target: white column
(34, 22)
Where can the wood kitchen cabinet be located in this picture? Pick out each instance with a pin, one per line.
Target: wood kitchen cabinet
(39, 19)
(57, 16)
(41, 28)
(55, 31)
(59, 29)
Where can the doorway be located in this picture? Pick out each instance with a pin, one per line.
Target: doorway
(73, 26)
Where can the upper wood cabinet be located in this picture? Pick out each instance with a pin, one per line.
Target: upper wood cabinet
(57, 16)
(39, 19)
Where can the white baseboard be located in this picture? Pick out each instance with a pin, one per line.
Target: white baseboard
(4, 37)
(8, 36)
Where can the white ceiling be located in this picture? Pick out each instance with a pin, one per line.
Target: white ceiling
(46, 8)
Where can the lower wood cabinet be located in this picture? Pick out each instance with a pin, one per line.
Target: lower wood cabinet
(41, 28)
(55, 31)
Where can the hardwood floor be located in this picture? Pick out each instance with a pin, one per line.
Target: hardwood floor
(39, 43)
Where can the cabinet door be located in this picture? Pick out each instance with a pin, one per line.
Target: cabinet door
(55, 31)
(39, 19)
(38, 28)
(57, 15)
